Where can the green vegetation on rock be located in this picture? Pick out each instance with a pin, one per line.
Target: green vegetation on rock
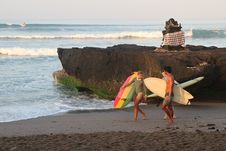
(70, 82)
(76, 85)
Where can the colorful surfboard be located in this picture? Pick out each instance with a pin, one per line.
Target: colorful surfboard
(125, 95)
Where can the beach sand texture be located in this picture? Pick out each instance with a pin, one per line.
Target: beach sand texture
(200, 126)
(119, 141)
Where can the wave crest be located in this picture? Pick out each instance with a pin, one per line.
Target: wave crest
(117, 35)
(194, 33)
(28, 51)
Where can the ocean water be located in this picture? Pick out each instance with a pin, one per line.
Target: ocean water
(28, 57)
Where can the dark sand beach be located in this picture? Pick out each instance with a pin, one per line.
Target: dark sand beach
(201, 126)
(160, 140)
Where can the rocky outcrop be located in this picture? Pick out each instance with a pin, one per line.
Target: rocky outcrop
(105, 69)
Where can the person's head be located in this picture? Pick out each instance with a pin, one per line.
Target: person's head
(139, 74)
(167, 69)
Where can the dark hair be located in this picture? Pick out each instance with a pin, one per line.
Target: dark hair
(167, 69)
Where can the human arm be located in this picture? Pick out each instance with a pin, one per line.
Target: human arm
(128, 84)
(145, 92)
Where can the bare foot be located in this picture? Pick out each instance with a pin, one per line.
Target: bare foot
(166, 117)
(135, 119)
(144, 116)
(174, 116)
(170, 121)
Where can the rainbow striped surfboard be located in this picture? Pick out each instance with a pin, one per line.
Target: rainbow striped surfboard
(125, 95)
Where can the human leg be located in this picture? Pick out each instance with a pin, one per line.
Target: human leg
(137, 109)
(170, 106)
(168, 112)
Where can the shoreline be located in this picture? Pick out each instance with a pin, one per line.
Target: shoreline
(195, 128)
(198, 116)
(128, 108)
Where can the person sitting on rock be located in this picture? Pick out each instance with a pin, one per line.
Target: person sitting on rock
(140, 94)
(172, 26)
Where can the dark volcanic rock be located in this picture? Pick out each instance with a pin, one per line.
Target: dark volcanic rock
(108, 67)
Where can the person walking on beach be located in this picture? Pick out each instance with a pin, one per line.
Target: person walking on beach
(174, 115)
(167, 102)
(140, 94)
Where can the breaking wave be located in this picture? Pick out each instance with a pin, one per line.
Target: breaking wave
(28, 51)
(118, 35)
(194, 33)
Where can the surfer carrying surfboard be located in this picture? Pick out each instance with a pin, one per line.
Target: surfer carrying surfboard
(175, 82)
(167, 102)
(140, 94)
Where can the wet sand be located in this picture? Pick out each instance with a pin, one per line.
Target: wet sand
(201, 126)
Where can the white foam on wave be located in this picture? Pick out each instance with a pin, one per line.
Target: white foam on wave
(114, 35)
(39, 108)
(22, 111)
(28, 51)
(188, 33)
(9, 24)
(15, 112)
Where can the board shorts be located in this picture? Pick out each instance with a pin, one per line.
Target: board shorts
(167, 102)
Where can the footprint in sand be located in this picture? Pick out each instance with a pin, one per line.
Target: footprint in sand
(211, 125)
(211, 128)
(202, 125)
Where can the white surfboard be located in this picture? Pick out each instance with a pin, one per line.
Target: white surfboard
(183, 85)
(158, 86)
(190, 82)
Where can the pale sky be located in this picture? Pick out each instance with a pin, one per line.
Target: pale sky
(79, 11)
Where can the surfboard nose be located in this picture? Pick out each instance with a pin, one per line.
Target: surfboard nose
(200, 78)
